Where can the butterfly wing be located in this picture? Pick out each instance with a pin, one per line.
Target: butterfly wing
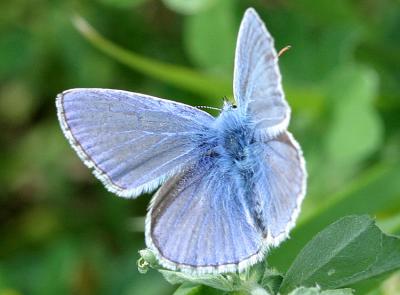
(200, 221)
(257, 80)
(279, 186)
(132, 141)
(207, 220)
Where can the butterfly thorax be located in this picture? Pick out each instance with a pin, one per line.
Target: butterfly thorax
(234, 140)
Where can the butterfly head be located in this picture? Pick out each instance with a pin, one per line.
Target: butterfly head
(227, 105)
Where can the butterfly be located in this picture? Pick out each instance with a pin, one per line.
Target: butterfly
(232, 185)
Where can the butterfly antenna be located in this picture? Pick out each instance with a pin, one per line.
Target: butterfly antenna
(283, 50)
(207, 107)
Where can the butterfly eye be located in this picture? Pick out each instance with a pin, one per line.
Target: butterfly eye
(234, 106)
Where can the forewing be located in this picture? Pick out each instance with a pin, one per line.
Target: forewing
(279, 187)
(257, 80)
(200, 222)
(132, 141)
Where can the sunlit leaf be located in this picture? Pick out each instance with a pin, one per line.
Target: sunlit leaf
(356, 129)
(309, 100)
(391, 285)
(189, 6)
(195, 289)
(390, 224)
(178, 76)
(188, 289)
(210, 37)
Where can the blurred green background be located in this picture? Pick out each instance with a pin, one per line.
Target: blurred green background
(61, 232)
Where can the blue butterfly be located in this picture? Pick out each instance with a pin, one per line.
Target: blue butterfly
(232, 185)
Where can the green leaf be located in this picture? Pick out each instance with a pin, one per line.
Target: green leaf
(188, 289)
(257, 290)
(218, 281)
(317, 291)
(304, 100)
(254, 273)
(376, 190)
(16, 52)
(350, 250)
(123, 3)
(149, 257)
(210, 38)
(387, 261)
(246, 282)
(175, 75)
(390, 224)
(189, 6)
(271, 280)
(391, 285)
(325, 11)
(195, 289)
(356, 130)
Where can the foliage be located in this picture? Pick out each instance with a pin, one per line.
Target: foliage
(349, 251)
(62, 233)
